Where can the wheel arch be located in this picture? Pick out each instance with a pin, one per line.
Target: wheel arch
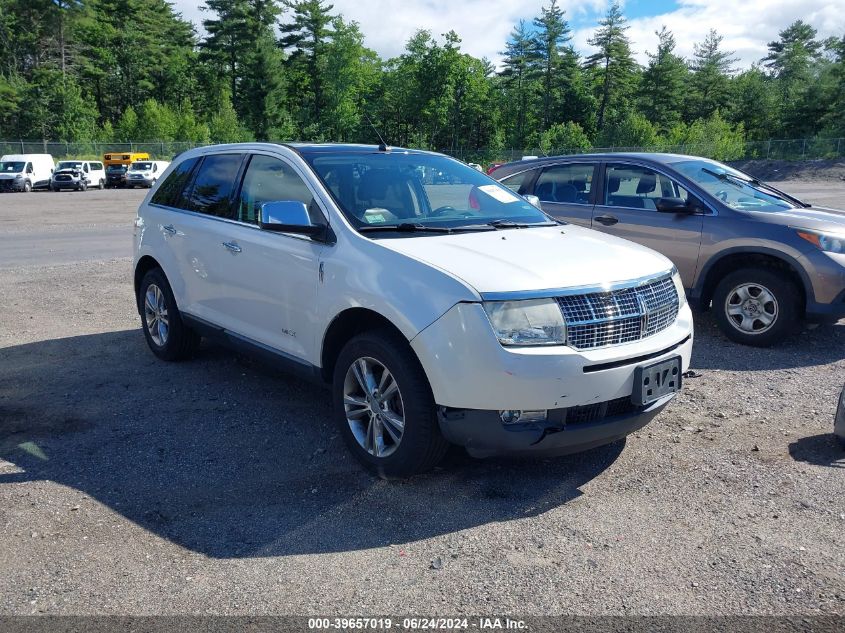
(345, 325)
(734, 259)
(144, 265)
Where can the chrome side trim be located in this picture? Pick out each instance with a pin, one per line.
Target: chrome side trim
(551, 293)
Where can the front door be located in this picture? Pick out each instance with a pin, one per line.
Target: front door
(626, 207)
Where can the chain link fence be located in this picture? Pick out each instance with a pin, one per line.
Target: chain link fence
(774, 149)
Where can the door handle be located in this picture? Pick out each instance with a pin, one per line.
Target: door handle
(232, 247)
(169, 228)
(607, 220)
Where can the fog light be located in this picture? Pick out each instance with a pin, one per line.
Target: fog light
(513, 417)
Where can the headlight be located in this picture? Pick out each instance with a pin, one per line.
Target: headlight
(18, 176)
(679, 286)
(828, 242)
(529, 322)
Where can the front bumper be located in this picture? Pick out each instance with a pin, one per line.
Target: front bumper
(468, 368)
(839, 420)
(826, 297)
(66, 184)
(140, 182)
(483, 434)
(115, 181)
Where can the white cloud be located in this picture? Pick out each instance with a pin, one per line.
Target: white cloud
(484, 25)
(746, 25)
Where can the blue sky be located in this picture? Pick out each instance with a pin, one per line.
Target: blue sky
(484, 25)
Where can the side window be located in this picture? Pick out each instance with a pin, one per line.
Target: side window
(214, 186)
(568, 184)
(29, 168)
(85, 167)
(518, 182)
(638, 187)
(270, 179)
(171, 192)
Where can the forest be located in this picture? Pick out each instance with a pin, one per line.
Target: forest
(135, 70)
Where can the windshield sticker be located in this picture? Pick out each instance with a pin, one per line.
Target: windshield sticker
(499, 193)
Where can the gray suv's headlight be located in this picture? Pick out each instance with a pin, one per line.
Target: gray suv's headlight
(527, 322)
(828, 242)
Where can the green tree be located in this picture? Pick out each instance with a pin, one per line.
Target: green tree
(630, 129)
(550, 41)
(224, 126)
(564, 137)
(710, 88)
(518, 80)
(663, 85)
(753, 102)
(613, 65)
(306, 37)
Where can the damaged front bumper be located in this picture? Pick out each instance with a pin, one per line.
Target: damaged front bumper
(564, 431)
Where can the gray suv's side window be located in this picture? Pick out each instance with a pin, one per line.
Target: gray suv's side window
(213, 190)
(638, 187)
(269, 179)
(571, 183)
(517, 182)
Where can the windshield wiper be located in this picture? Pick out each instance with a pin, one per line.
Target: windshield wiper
(405, 227)
(510, 224)
(755, 184)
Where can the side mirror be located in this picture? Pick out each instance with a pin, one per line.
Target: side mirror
(288, 216)
(533, 200)
(673, 205)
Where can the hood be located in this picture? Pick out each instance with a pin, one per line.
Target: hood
(813, 218)
(68, 170)
(541, 258)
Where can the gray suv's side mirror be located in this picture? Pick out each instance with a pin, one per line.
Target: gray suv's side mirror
(288, 216)
(673, 205)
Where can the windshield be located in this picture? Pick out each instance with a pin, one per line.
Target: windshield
(69, 164)
(732, 187)
(141, 166)
(12, 167)
(117, 168)
(420, 191)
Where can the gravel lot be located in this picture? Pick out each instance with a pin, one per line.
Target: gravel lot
(128, 486)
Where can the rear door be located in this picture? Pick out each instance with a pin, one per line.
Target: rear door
(626, 207)
(566, 190)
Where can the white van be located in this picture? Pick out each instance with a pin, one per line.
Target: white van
(25, 172)
(78, 175)
(144, 173)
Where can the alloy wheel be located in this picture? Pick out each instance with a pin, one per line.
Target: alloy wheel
(155, 315)
(751, 308)
(373, 405)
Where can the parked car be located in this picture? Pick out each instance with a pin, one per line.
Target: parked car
(839, 421)
(25, 172)
(78, 175)
(436, 313)
(763, 259)
(117, 166)
(144, 173)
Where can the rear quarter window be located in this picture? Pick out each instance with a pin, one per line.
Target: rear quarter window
(171, 193)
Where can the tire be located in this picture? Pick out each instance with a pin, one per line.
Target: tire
(27, 186)
(420, 445)
(102, 184)
(82, 186)
(744, 312)
(53, 187)
(177, 341)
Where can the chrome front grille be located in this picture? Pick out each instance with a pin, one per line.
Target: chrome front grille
(600, 319)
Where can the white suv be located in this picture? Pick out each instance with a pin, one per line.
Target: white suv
(437, 309)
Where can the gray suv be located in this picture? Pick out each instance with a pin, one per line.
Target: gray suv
(763, 259)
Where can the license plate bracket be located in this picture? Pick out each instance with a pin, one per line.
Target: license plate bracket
(657, 380)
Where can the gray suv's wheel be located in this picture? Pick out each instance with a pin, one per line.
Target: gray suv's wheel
(757, 306)
(384, 407)
(168, 337)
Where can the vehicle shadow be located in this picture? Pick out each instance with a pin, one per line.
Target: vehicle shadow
(810, 347)
(232, 459)
(820, 450)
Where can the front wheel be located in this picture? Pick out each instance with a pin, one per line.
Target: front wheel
(167, 335)
(27, 186)
(82, 186)
(384, 407)
(757, 306)
(102, 184)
